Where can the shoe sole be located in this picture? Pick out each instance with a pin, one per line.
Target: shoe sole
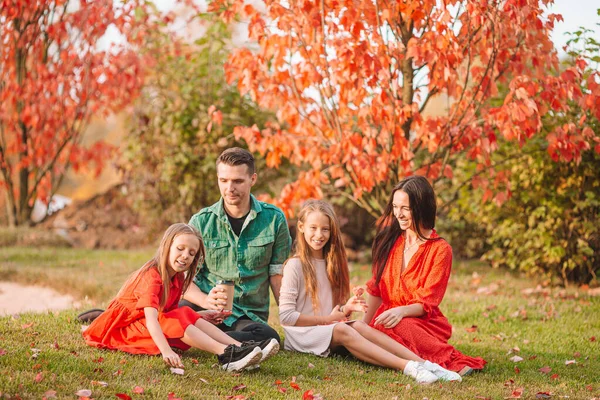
(466, 371)
(270, 350)
(253, 358)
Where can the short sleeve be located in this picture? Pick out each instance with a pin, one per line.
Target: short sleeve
(288, 296)
(373, 287)
(281, 247)
(148, 290)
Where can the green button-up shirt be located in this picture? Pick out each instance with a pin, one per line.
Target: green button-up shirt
(248, 260)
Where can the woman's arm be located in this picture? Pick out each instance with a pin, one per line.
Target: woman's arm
(171, 358)
(373, 303)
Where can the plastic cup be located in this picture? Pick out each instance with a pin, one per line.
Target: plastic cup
(228, 288)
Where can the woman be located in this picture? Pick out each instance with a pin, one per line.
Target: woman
(411, 267)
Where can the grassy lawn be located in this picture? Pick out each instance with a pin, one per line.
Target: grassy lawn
(493, 314)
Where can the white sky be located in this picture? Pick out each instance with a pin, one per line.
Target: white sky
(576, 13)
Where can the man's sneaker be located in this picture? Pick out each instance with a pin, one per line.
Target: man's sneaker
(236, 358)
(268, 347)
(416, 370)
(442, 373)
(89, 315)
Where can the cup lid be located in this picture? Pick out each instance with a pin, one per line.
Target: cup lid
(224, 282)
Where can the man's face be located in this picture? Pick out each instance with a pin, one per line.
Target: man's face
(235, 183)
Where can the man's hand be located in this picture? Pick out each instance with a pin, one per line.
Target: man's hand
(216, 299)
(213, 316)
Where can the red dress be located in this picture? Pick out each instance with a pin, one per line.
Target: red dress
(423, 281)
(123, 325)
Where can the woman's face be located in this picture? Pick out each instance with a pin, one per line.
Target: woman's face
(401, 210)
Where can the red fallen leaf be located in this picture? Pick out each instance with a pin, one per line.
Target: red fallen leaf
(517, 370)
(308, 395)
(123, 396)
(123, 361)
(543, 395)
(593, 339)
(25, 326)
(473, 328)
(194, 361)
(118, 372)
(576, 354)
(278, 382)
(241, 386)
(281, 389)
(56, 346)
(532, 357)
(36, 366)
(545, 370)
(138, 390)
(590, 388)
(554, 376)
(509, 382)
(172, 396)
(39, 377)
(98, 360)
(3, 352)
(74, 353)
(326, 378)
(491, 307)
(98, 370)
(294, 385)
(516, 394)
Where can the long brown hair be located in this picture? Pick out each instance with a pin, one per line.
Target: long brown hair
(160, 261)
(421, 198)
(334, 253)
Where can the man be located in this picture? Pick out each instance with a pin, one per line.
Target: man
(246, 241)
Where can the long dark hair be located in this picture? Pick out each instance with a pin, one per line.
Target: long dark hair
(423, 209)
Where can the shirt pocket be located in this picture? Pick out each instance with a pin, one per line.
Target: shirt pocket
(260, 250)
(218, 259)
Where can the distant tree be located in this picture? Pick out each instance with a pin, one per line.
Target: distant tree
(351, 83)
(182, 121)
(53, 79)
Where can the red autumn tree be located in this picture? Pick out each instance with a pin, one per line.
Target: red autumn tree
(53, 79)
(352, 82)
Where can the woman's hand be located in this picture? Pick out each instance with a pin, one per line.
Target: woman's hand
(213, 316)
(390, 318)
(172, 359)
(355, 304)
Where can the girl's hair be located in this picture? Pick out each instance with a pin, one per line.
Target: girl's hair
(423, 210)
(334, 253)
(161, 258)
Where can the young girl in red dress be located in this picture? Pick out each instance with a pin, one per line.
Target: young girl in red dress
(314, 304)
(144, 317)
(411, 268)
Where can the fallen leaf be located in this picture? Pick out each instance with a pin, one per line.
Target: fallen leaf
(509, 382)
(517, 370)
(39, 377)
(473, 328)
(532, 357)
(36, 366)
(590, 388)
(308, 395)
(98, 360)
(56, 346)
(577, 354)
(117, 372)
(99, 383)
(194, 361)
(294, 386)
(123, 361)
(83, 393)
(177, 371)
(545, 370)
(593, 339)
(491, 307)
(172, 396)
(3, 352)
(516, 359)
(138, 390)
(50, 394)
(554, 376)
(476, 340)
(516, 394)
(203, 380)
(281, 389)
(123, 396)
(241, 386)
(278, 382)
(326, 378)
(311, 365)
(25, 326)
(569, 362)
(543, 395)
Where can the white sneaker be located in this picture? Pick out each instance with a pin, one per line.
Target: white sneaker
(416, 370)
(442, 373)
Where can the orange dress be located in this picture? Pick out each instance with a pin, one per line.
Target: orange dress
(423, 281)
(123, 325)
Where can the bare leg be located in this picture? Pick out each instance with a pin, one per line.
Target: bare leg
(196, 338)
(361, 348)
(215, 333)
(384, 341)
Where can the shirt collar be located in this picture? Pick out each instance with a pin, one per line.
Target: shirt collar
(219, 210)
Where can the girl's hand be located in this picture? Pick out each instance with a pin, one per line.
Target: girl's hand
(336, 315)
(172, 359)
(355, 304)
(213, 316)
(358, 291)
(390, 318)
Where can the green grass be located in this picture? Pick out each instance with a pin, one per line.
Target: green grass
(547, 329)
